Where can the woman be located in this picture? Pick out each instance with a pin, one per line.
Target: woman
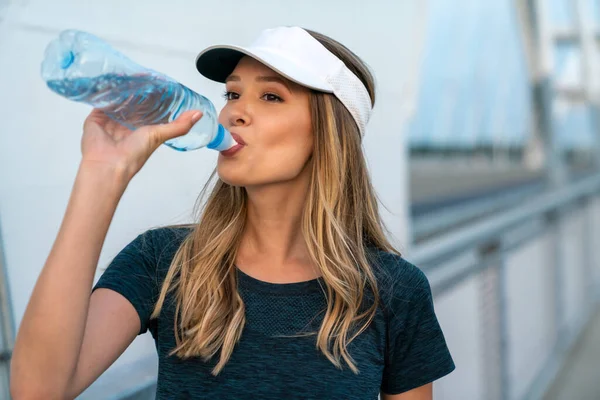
(286, 287)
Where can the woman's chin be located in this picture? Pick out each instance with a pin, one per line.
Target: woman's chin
(232, 178)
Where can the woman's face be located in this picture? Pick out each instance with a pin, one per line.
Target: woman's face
(271, 115)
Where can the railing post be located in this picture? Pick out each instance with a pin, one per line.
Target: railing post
(554, 219)
(495, 318)
(7, 325)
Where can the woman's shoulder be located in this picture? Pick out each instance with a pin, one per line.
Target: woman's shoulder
(164, 241)
(168, 234)
(398, 279)
(394, 267)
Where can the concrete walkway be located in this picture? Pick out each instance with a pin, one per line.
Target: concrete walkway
(579, 378)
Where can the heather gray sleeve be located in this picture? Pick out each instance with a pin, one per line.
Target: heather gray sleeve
(132, 273)
(417, 352)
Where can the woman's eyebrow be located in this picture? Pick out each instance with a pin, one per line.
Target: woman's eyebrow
(274, 78)
(262, 78)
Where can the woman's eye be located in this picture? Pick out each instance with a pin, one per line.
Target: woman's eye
(272, 97)
(230, 95)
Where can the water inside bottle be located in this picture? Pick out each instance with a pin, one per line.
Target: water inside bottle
(139, 100)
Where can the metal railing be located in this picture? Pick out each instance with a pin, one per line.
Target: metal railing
(487, 245)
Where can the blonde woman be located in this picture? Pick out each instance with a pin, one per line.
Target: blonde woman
(286, 286)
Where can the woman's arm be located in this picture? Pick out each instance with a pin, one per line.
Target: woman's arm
(424, 392)
(51, 334)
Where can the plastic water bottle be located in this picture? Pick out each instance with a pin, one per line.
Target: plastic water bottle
(83, 68)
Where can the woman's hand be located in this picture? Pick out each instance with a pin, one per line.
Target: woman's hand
(111, 144)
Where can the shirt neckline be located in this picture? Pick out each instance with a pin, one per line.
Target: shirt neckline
(304, 287)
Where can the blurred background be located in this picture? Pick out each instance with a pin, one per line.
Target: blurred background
(484, 148)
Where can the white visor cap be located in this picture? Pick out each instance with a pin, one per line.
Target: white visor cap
(296, 55)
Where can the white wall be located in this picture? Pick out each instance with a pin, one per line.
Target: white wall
(40, 134)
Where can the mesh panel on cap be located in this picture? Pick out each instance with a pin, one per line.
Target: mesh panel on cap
(353, 94)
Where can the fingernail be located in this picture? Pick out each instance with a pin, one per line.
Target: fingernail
(196, 117)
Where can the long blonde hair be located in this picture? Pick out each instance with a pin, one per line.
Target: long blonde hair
(340, 218)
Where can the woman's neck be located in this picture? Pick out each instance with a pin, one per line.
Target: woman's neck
(274, 224)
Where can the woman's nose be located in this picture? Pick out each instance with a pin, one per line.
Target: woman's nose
(239, 115)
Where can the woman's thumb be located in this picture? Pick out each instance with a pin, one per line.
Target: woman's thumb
(176, 128)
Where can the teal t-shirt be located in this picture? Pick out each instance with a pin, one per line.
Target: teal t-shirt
(403, 347)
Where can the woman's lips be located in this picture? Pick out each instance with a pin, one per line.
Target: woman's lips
(230, 152)
(238, 138)
(240, 143)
